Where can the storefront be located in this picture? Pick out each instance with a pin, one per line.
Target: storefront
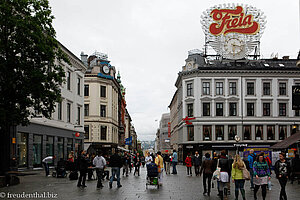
(37, 150)
(22, 149)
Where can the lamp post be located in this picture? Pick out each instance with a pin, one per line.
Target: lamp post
(237, 139)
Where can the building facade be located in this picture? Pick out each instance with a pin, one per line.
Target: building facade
(62, 133)
(250, 98)
(164, 139)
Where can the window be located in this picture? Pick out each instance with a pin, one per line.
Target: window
(60, 148)
(206, 88)
(78, 86)
(206, 109)
(86, 90)
(250, 109)
(232, 109)
(282, 132)
(247, 132)
(22, 149)
(50, 146)
(297, 113)
(103, 132)
(78, 115)
(259, 132)
(282, 88)
(282, 109)
(86, 109)
(232, 132)
(68, 80)
(294, 129)
(190, 110)
(232, 88)
(219, 109)
(266, 109)
(206, 132)
(189, 91)
(266, 88)
(271, 132)
(37, 150)
(219, 132)
(69, 145)
(102, 110)
(86, 132)
(219, 88)
(68, 112)
(190, 133)
(250, 88)
(103, 91)
(59, 111)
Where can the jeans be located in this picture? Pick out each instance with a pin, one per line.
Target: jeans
(82, 177)
(115, 171)
(174, 167)
(251, 177)
(46, 168)
(239, 185)
(264, 191)
(207, 177)
(99, 177)
(189, 170)
(125, 169)
(282, 182)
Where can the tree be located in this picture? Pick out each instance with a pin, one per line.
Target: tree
(30, 79)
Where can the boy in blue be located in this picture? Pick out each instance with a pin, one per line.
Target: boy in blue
(251, 159)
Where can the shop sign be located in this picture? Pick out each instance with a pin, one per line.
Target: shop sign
(240, 145)
(296, 97)
(187, 120)
(169, 129)
(233, 31)
(106, 145)
(189, 147)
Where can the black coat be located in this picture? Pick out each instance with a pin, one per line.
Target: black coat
(197, 161)
(224, 164)
(277, 169)
(115, 161)
(82, 163)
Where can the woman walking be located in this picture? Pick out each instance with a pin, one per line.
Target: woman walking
(282, 171)
(188, 162)
(237, 176)
(225, 166)
(261, 173)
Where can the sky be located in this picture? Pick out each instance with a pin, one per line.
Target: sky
(148, 42)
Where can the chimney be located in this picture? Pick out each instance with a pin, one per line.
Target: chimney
(285, 57)
(84, 58)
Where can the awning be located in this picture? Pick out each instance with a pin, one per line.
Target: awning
(287, 142)
(123, 149)
(86, 146)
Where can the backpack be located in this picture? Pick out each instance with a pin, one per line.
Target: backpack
(152, 170)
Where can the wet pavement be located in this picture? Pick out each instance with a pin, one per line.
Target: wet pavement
(178, 186)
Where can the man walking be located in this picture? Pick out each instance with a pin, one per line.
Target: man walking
(126, 161)
(207, 168)
(174, 161)
(100, 164)
(197, 162)
(282, 170)
(83, 167)
(115, 164)
(46, 161)
(251, 159)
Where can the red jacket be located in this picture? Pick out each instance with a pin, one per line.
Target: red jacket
(188, 161)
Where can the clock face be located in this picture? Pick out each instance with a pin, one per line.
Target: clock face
(105, 69)
(234, 48)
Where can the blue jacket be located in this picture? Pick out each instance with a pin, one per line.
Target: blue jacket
(251, 160)
(175, 159)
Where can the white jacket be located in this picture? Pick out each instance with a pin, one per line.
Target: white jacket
(99, 162)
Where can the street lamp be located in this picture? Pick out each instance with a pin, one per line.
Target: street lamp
(237, 139)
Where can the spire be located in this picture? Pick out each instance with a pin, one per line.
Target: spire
(119, 77)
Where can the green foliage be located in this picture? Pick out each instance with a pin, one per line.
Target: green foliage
(29, 77)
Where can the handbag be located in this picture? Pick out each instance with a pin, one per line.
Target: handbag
(216, 174)
(246, 173)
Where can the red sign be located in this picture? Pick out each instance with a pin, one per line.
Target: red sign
(77, 134)
(232, 21)
(187, 120)
(169, 129)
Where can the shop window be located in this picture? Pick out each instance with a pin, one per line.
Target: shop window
(282, 132)
(247, 132)
(50, 146)
(37, 150)
(22, 149)
(294, 129)
(259, 132)
(219, 132)
(60, 148)
(232, 132)
(271, 132)
(207, 133)
(69, 146)
(190, 133)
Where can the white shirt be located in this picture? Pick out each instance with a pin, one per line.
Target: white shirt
(148, 159)
(48, 159)
(99, 162)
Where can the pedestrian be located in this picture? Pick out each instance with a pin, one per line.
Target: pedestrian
(207, 168)
(46, 161)
(174, 161)
(197, 161)
(188, 162)
(148, 159)
(115, 164)
(90, 166)
(237, 176)
(126, 162)
(282, 171)
(167, 161)
(137, 164)
(71, 157)
(100, 163)
(83, 167)
(160, 165)
(224, 165)
(295, 168)
(270, 167)
(261, 172)
(251, 159)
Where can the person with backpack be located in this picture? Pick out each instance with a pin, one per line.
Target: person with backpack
(282, 171)
(237, 176)
(188, 162)
(197, 161)
(251, 159)
(100, 163)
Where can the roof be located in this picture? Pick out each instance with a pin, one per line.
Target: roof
(287, 142)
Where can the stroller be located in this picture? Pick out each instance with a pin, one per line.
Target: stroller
(60, 170)
(152, 175)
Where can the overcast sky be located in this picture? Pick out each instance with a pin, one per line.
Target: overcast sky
(148, 42)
